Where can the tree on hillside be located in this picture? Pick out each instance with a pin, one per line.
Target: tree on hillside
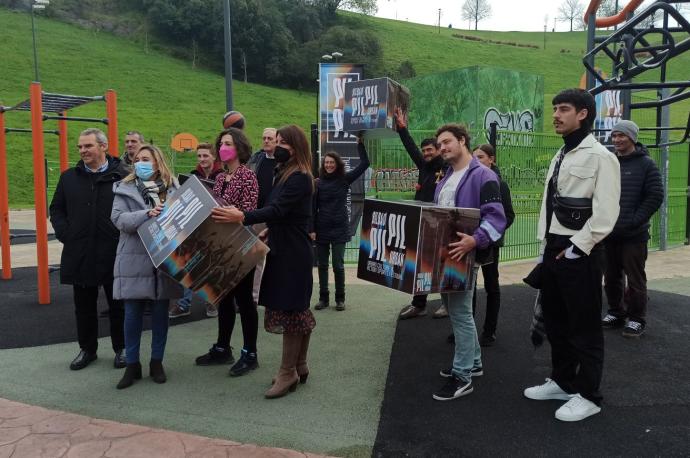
(476, 10)
(571, 11)
(363, 6)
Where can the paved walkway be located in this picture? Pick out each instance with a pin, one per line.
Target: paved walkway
(34, 432)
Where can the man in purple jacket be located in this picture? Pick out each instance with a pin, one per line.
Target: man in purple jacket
(467, 184)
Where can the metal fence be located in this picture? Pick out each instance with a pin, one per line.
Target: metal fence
(524, 161)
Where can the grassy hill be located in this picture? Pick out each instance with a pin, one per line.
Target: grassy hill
(162, 96)
(158, 95)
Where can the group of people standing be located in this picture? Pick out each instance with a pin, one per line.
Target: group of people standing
(101, 202)
(589, 207)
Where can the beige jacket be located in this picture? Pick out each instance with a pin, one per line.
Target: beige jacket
(590, 171)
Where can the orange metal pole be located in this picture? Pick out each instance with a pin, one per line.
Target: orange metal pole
(4, 205)
(40, 194)
(64, 154)
(111, 112)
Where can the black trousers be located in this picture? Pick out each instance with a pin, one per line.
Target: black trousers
(86, 312)
(571, 303)
(626, 259)
(242, 294)
(493, 294)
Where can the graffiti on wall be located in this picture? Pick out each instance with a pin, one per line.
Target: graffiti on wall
(513, 121)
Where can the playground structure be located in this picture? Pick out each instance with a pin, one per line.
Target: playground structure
(45, 106)
(632, 50)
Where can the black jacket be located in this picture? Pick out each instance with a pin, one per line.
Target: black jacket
(330, 202)
(507, 204)
(80, 215)
(429, 172)
(264, 169)
(287, 279)
(641, 196)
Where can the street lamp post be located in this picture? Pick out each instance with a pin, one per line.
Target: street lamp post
(36, 5)
(228, 56)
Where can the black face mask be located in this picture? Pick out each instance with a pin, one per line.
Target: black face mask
(281, 155)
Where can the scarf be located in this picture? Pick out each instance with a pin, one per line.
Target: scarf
(151, 190)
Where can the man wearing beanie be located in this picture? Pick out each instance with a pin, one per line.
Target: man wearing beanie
(626, 247)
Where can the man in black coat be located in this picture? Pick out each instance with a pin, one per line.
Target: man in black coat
(626, 247)
(430, 165)
(80, 214)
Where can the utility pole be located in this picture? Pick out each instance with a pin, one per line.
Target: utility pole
(439, 21)
(228, 57)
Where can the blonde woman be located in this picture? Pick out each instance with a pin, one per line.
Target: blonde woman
(287, 280)
(138, 197)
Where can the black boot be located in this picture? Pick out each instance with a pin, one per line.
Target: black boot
(156, 371)
(132, 373)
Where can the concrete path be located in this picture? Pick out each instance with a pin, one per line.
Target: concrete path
(34, 432)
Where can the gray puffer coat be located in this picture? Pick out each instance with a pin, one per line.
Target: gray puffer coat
(134, 273)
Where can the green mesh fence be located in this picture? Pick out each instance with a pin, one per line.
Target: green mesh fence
(523, 159)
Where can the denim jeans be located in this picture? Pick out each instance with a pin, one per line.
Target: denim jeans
(186, 300)
(468, 353)
(134, 323)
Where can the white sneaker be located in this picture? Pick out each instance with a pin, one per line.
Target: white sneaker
(549, 390)
(578, 408)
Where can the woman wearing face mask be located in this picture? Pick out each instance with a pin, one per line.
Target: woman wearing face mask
(331, 227)
(237, 185)
(138, 197)
(287, 281)
(208, 168)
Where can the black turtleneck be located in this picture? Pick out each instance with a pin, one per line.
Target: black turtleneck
(574, 138)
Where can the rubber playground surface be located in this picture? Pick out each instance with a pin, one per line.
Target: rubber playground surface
(369, 392)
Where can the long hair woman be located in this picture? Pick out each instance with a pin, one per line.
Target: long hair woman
(287, 281)
(139, 197)
(486, 154)
(331, 229)
(237, 185)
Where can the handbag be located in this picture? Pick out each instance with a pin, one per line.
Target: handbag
(572, 212)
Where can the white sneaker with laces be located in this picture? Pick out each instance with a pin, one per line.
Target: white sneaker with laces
(549, 390)
(578, 408)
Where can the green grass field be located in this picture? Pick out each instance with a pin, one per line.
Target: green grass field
(162, 96)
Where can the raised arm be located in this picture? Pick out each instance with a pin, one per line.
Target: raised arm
(363, 165)
(407, 141)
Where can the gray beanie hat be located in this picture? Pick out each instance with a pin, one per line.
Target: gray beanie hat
(628, 128)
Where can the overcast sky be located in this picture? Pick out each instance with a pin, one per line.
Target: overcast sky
(522, 15)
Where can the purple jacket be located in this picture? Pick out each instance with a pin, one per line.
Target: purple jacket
(479, 188)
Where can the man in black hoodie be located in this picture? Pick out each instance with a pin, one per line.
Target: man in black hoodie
(626, 247)
(80, 214)
(430, 165)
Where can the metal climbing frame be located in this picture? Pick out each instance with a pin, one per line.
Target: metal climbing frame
(44, 106)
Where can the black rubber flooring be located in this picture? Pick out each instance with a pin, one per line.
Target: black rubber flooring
(646, 386)
(21, 236)
(25, 323)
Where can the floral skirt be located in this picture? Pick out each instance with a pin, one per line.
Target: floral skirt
(285, 322)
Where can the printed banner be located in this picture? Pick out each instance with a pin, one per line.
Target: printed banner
(404, 246)
(332, 80)
(370, 105)
(207, 257)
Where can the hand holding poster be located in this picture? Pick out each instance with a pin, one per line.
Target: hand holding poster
(207, 257)
(404, 246)
(370, 105)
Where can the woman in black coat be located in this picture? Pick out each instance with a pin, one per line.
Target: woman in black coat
(286, 286)
(487, 156)
(331, 226)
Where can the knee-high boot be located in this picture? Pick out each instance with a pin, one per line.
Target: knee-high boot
(287, 378)
(302, 367)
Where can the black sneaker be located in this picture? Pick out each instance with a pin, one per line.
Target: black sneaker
(475, 372)
(216, 355)
(633, 329)
(247, 362)
(453, 389)
(487, 340)
(612, 321)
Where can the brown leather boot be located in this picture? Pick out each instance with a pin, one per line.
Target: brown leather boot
(302, 368)
(287, 378)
